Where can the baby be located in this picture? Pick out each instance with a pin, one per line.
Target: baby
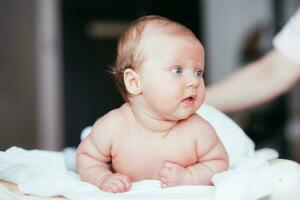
(156, 133)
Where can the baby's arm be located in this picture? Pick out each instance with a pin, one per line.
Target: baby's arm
(211, 159)
(93, 158)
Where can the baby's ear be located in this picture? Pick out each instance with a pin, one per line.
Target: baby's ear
(132, 82)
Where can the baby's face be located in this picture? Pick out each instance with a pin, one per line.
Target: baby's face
(171, 75)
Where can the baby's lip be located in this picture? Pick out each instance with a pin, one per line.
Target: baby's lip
(190, 98)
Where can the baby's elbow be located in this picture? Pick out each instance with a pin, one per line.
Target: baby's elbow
(225, 161)
(222, 157)
(220, 166)
(82, 158)
(80, 164)
(224, 165)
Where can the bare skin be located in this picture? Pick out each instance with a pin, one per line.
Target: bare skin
(264, 79)
(156, 135)
(256, 83)
(179, 157)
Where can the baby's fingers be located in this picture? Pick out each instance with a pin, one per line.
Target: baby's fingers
(120, 183)
(114, 186)
(118, 186)
(164, 172)
(125, 180)
(168, 164)
(163, 181)
(106, 188)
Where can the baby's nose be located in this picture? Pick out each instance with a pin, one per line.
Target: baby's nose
(193, 81)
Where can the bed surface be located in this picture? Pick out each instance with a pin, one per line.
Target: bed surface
(9, 191)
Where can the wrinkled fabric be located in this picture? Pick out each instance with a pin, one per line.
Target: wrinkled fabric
(47, 173)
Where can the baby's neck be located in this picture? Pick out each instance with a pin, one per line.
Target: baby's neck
(149, 121)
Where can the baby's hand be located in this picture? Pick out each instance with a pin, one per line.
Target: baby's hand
(172, 174)
(115, 183)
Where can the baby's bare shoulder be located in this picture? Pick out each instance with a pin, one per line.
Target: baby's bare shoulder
(110, 124)
(199, 127)
(198, 123)
(202, 133)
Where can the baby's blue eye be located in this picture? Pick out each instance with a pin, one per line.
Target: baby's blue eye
(177, 70)
(198, 73)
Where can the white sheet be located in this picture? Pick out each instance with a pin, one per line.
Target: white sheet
(44, 173)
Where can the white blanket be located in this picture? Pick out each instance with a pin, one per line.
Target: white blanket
(44, 173)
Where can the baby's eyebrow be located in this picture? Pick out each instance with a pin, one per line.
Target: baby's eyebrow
(201, 64)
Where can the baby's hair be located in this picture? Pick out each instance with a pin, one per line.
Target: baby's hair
(129, 52)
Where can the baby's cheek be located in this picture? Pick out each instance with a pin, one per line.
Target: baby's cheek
(202, 91)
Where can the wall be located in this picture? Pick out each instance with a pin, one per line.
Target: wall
(30, 80)
(227, 24)
(18, 118)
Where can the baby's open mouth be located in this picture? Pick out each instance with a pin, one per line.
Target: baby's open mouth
(189, 99)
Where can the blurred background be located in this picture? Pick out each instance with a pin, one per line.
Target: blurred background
(54, 56)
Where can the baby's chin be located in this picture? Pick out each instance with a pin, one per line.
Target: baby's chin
(186, 117)
(182, 116)
(181, 113)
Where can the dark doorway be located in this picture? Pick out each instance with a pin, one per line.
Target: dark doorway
(89, 90)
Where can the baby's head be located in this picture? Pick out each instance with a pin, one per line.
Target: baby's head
(156, 55)
(130, 52)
